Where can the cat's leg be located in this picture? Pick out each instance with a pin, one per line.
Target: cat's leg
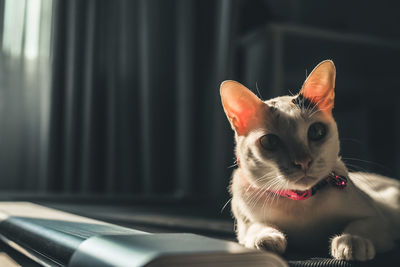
(360, 240)
(261, 236)
(257, 235)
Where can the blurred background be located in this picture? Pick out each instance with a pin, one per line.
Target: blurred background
(120, 99)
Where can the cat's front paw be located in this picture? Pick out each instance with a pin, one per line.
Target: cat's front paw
(352, 247)
(268, 240)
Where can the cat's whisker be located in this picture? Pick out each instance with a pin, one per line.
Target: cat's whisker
(356, 167)
(364, 161)
(351, 139)
(233, 165)
(272, 187)
(255, 194)
(315, 109)
(258, 91)
(309, 105)
(226, 204)
(274, 197)
(256, 180)
(315, 112)
(261, 191)
(260, 195)
(315, 106)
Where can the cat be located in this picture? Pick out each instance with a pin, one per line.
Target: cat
(291, 184)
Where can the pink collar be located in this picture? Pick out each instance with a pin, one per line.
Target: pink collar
(335, 180)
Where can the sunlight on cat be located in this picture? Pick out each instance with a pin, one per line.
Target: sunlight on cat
(291, 182)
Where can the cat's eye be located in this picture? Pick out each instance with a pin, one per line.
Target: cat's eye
(317, 131)
(270, 142)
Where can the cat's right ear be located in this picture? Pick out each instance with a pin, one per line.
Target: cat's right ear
(319, 86)
(243, 108)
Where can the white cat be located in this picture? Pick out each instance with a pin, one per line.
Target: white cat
(291, 183)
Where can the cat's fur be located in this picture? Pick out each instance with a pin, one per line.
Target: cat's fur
(358, 221)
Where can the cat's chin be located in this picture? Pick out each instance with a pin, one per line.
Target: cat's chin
(304, 183)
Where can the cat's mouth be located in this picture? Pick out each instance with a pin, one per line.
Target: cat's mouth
(302, 181)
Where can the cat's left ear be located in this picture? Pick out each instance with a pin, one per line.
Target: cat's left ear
(319, 86)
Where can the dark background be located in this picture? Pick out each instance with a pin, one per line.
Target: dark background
(121, 99)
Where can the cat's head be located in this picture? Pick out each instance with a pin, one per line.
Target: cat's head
(288, 142)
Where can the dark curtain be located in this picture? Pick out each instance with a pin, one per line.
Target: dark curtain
(135, 97)
(123, 100)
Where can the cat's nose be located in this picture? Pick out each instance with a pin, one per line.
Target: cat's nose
(302, 164)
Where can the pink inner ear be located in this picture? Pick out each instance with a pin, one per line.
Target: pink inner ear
(241, 106)
(321, 95)
(319, 87)
(241, 115)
